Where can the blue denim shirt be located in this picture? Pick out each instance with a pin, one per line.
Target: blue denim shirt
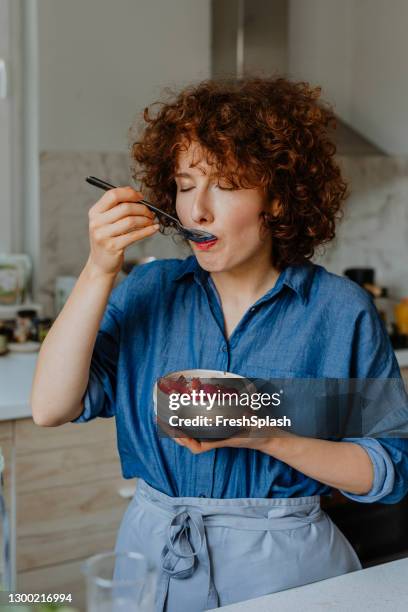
(166, 316)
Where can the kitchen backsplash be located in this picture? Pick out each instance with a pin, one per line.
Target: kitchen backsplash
(373, 232)
(65, 201)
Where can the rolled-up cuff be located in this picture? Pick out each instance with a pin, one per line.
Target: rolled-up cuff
(93, 400)
(384, 473)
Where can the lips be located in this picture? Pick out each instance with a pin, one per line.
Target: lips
(205, 246)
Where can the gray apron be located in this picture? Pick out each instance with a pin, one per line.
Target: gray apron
(215, 552)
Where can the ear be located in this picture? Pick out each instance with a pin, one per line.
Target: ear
(273, 209)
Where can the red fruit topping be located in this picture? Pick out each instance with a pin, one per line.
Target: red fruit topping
(165, 385)
(207, 388)
(196, 384)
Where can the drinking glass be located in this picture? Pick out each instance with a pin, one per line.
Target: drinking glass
(119, 582)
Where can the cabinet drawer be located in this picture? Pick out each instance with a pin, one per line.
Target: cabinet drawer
(67, 466)
(64, 523)
(64, 578)
(6, 430)
(31, 438)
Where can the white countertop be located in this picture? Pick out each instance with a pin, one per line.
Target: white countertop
(16, 376)
(402, 358)
(383, 588)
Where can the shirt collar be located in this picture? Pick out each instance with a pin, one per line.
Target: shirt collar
(188, 266)
(297, 277)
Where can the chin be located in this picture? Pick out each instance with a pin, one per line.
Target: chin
(214, 265)
(210, 267)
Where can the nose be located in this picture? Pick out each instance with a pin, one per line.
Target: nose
(201, 210)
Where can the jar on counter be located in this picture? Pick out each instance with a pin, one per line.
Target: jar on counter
(401, 316)
(42, 326)
(24, 329)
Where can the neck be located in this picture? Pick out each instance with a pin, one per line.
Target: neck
(248, 281)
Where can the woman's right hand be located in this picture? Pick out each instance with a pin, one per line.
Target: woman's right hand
(116, 221)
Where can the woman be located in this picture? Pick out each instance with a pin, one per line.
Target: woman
(249, 161)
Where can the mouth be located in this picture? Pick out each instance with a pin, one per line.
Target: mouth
(205, 246)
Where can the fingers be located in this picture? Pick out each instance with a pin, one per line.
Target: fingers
(123, 226)
(124, 209)
(114, 196)
(206, 446)
(195, 446)
(121, 242)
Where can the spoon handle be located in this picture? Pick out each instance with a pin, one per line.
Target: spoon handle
(96, 182)
(160, 212)
(93, 180)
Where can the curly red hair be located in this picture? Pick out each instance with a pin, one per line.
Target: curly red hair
(270, 133)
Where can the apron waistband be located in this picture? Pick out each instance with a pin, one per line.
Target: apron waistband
(186, 542)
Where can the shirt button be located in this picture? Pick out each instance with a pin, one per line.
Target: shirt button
(252, 309)
(224, 348)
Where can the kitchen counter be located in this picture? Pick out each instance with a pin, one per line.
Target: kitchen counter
(402, 357)
(383, 588)
(16, 376)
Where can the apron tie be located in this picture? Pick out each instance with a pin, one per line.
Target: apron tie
(186, 545)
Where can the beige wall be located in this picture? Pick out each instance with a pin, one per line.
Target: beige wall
(102, 61)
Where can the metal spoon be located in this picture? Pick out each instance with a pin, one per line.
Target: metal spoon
(194, 235)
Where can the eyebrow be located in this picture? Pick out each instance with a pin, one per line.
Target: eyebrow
(182, 175)
(187, 174)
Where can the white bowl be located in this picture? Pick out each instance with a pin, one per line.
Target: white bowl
(202, 432)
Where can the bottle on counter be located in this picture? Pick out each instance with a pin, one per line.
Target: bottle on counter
(384, 306)
(401, 316)
(24, 325)
(42, 327)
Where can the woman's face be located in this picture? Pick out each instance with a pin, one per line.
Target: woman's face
(232, 215)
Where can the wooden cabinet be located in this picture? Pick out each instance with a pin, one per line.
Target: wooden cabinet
(68, 503)
(6, 444)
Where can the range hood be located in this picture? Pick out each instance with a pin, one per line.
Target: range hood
(251, 36)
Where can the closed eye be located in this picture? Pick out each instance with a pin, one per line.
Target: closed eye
(219, 187)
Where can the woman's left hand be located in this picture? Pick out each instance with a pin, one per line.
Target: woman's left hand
(252, 440)
(196, 446)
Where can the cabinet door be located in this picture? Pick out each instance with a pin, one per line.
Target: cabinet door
(6, 445)
(63, 578)
(6, 442)
(68, 501)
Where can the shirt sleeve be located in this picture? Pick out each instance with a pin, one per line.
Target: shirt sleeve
(374, 358)
(99, 397)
